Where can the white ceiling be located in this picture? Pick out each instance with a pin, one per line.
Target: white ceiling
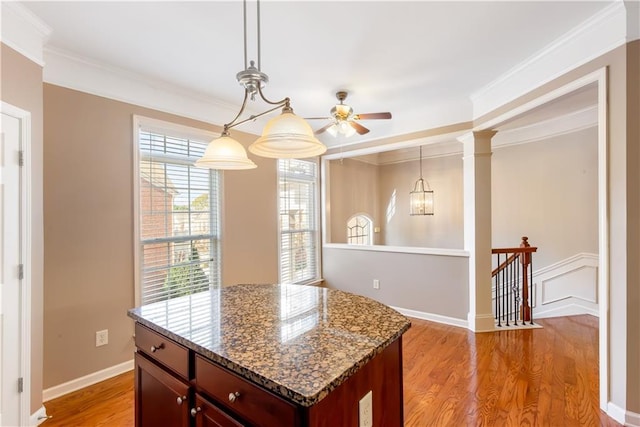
(420, 60)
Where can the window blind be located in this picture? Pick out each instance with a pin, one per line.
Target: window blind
(298, 188)
(179, 248)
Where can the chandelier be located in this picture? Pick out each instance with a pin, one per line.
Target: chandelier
(284, 136)
(421, 200)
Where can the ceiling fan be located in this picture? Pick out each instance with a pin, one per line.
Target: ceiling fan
(344, 122)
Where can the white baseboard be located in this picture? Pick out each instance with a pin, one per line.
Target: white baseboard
(432, 317)
(38, 417)
(633, 419)
(624, 417)
(565, 310)
(87, 380)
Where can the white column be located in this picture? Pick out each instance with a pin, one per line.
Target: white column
(477, 227)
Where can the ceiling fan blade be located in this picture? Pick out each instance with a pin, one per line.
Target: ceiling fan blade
(359, 128)
(372, 116)
(318, 118)
(323, 129)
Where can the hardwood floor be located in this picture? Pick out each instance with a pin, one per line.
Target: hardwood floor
(452, 377)
(106, 404)
(533, 377)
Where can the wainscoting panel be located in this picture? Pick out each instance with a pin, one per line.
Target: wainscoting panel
(568, 287)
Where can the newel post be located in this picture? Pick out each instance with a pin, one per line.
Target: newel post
(525, 259)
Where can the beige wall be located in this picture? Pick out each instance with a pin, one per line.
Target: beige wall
(250, 223)
(354, 190)
(548, 191)
(21, 86)
(89, 239)
(445, 229)
(633, 197)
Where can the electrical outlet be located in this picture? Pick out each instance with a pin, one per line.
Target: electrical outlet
(102, 337)
(376, 284)
(365, 410)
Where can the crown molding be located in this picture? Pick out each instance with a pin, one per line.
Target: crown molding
(546, 129)
(596, 36)
(23, 31)
(74, 72)
(451, 145)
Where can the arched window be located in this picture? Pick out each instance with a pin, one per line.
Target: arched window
(359, 230)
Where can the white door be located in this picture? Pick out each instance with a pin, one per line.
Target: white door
(10, 280)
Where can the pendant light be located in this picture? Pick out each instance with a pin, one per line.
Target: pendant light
(421, 200)
(284, 136)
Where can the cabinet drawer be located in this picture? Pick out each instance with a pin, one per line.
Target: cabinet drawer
(162, 349)
(249, 401)
(208, 415)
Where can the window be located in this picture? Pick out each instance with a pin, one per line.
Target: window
(359, 230)
(178, 248)
(297, 205)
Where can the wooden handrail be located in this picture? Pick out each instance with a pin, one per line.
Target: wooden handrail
(524, 248)
(528, 249)
(504, 265)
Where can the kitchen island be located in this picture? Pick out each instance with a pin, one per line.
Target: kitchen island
(269, 355)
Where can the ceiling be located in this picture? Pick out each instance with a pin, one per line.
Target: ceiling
(420, 60)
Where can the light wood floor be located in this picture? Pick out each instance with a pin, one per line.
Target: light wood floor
(452, 377)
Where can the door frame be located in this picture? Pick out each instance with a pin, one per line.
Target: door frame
(25, 256)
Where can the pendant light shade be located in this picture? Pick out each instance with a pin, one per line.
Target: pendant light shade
(421, 199)
(287, 136)
(225, 153)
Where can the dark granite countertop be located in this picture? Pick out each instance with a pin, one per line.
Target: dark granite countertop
(300, 342)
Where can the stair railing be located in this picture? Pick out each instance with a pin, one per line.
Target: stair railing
(512, 278)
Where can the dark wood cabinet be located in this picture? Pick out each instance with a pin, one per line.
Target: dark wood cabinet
(161, 398)
(209, 415)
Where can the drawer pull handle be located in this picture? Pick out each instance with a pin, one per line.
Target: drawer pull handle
(159, 347)
(233, 396)
(194, 411)
(181, 399)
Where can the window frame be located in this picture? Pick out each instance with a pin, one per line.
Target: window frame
(174, 130)
(315, 216)
(369, 228)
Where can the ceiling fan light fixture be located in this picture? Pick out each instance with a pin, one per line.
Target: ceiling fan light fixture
(225, 153)
(287, 136)
(346, 129)
(344, 122)
(333, 130)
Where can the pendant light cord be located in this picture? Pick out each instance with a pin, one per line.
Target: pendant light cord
(421, 162)
(258, 27)
(244, 14)
(285, 103)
